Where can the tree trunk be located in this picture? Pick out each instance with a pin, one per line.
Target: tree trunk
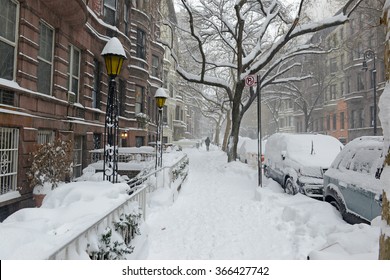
(236, 122)
(384, 240)
(227, 131)
(217, 130)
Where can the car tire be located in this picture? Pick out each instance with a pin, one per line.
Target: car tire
(266, 172)
(289, 187)
(339, 206)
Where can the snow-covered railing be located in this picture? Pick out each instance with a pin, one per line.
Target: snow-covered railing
(178, 172)
(81, 244)
(126, 154)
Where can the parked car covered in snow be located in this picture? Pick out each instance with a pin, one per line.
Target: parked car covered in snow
(352, 183)
(248, 151)
(298, 161)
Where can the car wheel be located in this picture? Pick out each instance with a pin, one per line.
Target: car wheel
(266, 172)
(339, 206)
(289, 187)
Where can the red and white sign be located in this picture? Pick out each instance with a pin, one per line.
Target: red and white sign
(250, 80)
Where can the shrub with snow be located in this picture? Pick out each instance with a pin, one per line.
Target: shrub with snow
(51, 163)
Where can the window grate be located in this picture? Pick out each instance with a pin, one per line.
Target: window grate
(9, 142)
(7, 97)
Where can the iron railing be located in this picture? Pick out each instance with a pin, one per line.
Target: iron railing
(139, 187)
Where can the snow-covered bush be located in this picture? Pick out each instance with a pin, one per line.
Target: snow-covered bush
(51, 163)
(114, 241)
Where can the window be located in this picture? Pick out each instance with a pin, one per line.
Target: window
(165, 115)
(45, 136)
(342, 120)
(141, 44)
(97, 144)
(360, 83)
(333, 65)
(77, 156)
(360, 51)
(155, 66)
(333, 92)
(365, 160)
(97, 140)
(7, 97)
(328, 122)
(371, 42)
(139, 141)
(334, 122)
(361, 118)
(8, 23)
(110, 11)
(353, 119)
(348, 84)
(74, 72)
(342, 88)
(139, 99)
(177, 113)
(97, 75)
(126, 18)
(361, 21)
(9, 140)
(45, 58)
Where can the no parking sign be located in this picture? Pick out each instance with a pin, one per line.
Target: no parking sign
(250, 80)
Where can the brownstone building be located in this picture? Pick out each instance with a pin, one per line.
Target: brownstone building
(53, 82)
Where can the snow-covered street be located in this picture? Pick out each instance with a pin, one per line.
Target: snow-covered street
(222, 214)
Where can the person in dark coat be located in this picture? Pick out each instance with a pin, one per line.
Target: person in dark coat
(207, 141)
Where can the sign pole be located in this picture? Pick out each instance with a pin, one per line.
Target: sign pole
(259, 148)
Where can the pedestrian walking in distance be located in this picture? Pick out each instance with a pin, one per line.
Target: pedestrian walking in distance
(207, 141)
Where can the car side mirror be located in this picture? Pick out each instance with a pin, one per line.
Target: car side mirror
(283, 154)
(380, 199)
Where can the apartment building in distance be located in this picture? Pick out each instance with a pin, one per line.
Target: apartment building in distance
(341, 92)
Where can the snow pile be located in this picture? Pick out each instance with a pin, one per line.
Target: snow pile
(219, 214)
(222, 214)
(33, 233)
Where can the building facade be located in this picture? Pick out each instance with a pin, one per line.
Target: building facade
(343, 90)
(53, 82)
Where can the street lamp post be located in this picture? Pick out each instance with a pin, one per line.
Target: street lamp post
(113, 54)
(160, 97)
(368, 54)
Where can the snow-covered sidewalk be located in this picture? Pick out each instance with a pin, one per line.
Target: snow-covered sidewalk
(222, 214)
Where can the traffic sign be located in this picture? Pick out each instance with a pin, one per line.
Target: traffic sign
(250, 80)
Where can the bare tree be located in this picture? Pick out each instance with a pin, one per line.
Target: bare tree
(212, 104)
(233, 39)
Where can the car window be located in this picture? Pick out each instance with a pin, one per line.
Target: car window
(346, 159)
(365, 159)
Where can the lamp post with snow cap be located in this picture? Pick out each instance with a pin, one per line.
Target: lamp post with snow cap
(160, 96)
(113, 54)
(368, 54)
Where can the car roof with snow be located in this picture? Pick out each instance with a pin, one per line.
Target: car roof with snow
(307, 149)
